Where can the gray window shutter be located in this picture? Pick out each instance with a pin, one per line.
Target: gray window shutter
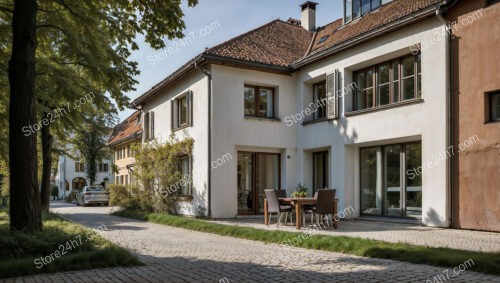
(190, 107)
(175, 114)
(152, 123)
(146, 126)
(171, 115)
(330, 95)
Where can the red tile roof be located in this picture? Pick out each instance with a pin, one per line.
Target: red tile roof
(127, 129)
(286, 45)
(390, 12)
(276, 43)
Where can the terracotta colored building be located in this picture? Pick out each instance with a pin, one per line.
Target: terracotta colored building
(124, 135)
(475, 100)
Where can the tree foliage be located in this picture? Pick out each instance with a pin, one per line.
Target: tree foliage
(90, 140)
(83, 46)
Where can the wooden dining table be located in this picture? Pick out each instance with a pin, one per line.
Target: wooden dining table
(298, 203)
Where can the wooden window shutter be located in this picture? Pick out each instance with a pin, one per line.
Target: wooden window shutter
(152, 123)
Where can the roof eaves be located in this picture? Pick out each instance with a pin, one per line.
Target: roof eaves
(178, 74)
(246, 63)
(125, 139)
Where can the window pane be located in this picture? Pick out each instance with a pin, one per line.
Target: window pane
(413, 158)
(395, 91)
(249, 101)
(495, 106)
(369, 78)
(360, 100)
(371, 197)
(369, 98)
(266, 103)
(383, 73)
(365, 6)
(320, 98)
(375, 4)
(392, 188)
(183, 113)
(408, 88)
(361, 80)
(348, 10)
(356, 9)
(383, 94)
(408, 66)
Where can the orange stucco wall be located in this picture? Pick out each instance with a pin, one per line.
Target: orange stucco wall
(475, 63)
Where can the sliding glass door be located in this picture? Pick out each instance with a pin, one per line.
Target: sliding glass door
(256, 172)
(386, 189)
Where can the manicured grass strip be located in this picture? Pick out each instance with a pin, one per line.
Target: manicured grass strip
(483, 262)
(18, 251)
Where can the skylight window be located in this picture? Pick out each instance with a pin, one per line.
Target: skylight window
(321, 40)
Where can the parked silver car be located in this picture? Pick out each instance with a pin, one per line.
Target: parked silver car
(92, 195)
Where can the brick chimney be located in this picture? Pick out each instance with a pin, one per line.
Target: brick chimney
(308, 15)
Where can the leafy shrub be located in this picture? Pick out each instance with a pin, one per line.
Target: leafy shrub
(127, 197)
(156, 170)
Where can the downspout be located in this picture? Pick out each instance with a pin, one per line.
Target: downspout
(449, 106)
(209, 165)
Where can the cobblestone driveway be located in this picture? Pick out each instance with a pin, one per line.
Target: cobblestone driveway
(177, 255)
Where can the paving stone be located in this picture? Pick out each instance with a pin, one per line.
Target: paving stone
(178, 255)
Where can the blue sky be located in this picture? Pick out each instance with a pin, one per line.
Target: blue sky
(234, 16)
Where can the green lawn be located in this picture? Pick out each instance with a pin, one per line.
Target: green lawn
(483, 262)
(21, 254)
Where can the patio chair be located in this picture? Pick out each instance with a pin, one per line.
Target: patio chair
(324, 205)
(273, 206)
(310, 209)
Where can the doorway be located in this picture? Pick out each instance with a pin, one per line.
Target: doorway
(320, 170)
(256, 172)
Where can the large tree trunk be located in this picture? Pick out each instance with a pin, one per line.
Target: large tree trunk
(25, 213)
(47, 164)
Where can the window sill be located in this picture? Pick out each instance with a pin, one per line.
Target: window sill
(181, 127)
(384, 107)
(492, 122)
(183, 197)
(262, 118)
(323, 119)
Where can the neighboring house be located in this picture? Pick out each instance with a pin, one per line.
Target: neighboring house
(71, 175)
(476, 114)
(259, 99)
(124, 135)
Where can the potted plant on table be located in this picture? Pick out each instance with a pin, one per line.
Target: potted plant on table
(301, 191)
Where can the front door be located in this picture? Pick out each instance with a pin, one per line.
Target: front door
(256, 173)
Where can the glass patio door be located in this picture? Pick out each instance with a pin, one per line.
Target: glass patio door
(256, 172)
(386, 189)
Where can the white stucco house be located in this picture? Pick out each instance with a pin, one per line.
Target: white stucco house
(71, 175)
(355, 105)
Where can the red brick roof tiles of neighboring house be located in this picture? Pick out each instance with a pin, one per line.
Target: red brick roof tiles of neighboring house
(284, 46)
(126, 130)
